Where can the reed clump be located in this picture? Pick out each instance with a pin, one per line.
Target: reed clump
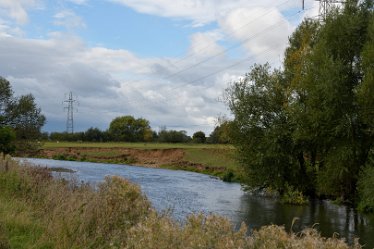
(38, 211)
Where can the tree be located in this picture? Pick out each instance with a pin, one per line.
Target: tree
(7, 137)
(22, 115)
(310, 124)
(129, 129)
(93, 135)
(220, 134)
(199, 137)
(260, 129)
(172, 136)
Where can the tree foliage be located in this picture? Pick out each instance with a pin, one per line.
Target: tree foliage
(172, 136)
(199, 137)
(221, 133)
(129, 129)
(21, 116)
(309, 125)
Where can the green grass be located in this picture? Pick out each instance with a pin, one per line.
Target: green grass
(213, 157)
(51, 145)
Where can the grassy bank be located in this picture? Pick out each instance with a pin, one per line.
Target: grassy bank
(217, 160)
(38, 211)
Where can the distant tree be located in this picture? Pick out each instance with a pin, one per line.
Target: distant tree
(199, 137)
(66, 136)
(220, 134)
(172, 136)
(22, 115)
(93, 135)
(129, 129)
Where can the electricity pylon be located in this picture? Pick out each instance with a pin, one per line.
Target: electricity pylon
(325, 6)
(70, 110)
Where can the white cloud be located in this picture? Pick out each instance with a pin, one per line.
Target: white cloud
(263, 33)
(17, 9)
(205, 44)
(68, 19)
(79, 2)
(178, 93)
(200, 12)
(103, 79)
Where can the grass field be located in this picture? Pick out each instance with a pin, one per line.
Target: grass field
(50, 145)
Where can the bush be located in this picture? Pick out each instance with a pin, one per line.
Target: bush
(293, 196)
(366, 186)
(7, 137)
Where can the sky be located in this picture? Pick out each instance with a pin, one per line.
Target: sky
(168, 61)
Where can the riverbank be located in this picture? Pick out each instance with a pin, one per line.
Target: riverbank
(216, 160)
(41, 212)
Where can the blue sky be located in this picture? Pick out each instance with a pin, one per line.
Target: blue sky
(168, 61)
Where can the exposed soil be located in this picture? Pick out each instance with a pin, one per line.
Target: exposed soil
(141, 157)
(152, 158)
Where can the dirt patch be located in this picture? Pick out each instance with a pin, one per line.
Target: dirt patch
(141, 157)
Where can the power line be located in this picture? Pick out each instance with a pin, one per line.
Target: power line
(221, 53)
(229, 35)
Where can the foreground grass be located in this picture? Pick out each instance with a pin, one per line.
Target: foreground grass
(38, 211)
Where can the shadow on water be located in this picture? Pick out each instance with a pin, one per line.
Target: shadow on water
(326, 217)
(185, 193)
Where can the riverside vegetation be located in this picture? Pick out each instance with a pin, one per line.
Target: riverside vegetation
(38, 211)
(307, 128)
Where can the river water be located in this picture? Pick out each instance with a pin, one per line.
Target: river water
(183, 193)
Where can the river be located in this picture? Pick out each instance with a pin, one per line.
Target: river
(183, 193)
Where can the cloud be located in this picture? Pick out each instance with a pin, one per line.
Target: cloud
(109, 83)
(263, 33)
(204, 44)
(181, 93)
(17, 9)
(69, 20)
(79, 2)
(200, 12)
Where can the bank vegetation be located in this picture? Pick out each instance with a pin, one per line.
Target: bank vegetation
(38, 211)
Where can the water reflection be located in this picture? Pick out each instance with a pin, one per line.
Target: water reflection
(187, 192)
(328, 218)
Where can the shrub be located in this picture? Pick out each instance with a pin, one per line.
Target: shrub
(293, 196)
(366, 186)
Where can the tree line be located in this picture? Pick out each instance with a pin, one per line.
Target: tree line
(309, 126)
(131, 129)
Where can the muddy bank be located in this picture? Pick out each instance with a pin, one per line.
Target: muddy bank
(140, 157)
(171, 158)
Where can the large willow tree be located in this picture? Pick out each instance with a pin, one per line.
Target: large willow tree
(310, 124)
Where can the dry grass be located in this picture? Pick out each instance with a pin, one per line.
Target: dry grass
(38, 211)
